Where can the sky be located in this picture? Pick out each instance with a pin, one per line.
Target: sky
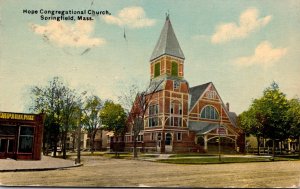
(240, 46)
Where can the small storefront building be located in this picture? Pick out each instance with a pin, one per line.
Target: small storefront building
(21, 135)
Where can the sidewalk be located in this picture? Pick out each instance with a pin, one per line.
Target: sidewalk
(46, 163)
(169, 156)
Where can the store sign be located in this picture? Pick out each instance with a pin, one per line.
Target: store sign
(222, 131)
(4, 115)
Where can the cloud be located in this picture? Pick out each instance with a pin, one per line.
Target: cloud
(264, 55)
(66, 34)
(201, 37)
(249, 22)
(133, 17)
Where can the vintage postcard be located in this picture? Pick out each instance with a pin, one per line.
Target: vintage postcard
(138, 93)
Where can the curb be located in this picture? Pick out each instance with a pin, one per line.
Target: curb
(40, 169)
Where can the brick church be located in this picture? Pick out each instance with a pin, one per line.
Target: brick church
(180, 118)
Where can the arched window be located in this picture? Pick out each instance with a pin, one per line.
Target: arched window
(209, 112)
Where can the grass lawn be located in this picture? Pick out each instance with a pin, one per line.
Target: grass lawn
(215, 160)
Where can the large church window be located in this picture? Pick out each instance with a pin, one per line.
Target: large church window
(26, 139)
(156, 69)
(175, 114)
(174, 69)
(209, 112)
(153, 115)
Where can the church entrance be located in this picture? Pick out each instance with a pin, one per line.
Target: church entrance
(168, 142)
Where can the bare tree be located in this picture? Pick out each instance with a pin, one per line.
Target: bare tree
(139, 106)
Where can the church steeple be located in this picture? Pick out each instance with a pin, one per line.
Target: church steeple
(167, 43)
(167, 58)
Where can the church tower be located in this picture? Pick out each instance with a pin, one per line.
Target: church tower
(167, 116)
(167, 58)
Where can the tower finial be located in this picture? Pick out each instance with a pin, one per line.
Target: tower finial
(167, 15)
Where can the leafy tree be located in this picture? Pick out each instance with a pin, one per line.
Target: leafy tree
(59, 103)
(274, 106)
(91, 118)
(294, 119)
(113, 118)
(267, 116)
(252, 124)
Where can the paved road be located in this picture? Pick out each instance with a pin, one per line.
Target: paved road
(101, 171)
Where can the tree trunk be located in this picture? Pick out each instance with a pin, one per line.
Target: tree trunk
(93, 141)
(163, 143)
(135, 154)
(73, 142)
(117, 146)
(44, 145)
(64, 149)
(273, 150)
(299, 146)
(258, 145)
(101, 139)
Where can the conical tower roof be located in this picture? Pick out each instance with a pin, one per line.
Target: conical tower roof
(167, 43)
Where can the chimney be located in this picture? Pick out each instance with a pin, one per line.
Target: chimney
(227, 106)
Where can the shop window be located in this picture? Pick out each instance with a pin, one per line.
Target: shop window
(11, 144)
(26, 139)
(3, 143)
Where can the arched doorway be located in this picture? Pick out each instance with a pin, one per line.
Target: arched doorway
(168, 142)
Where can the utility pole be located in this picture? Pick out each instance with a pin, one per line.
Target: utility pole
(220, 132)
(219, 142)
(79, 138)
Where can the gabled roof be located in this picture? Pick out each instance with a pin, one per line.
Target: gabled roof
(167, 43)
(233, 117)
(196, 92)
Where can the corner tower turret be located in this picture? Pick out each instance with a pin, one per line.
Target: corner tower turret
(167, 57)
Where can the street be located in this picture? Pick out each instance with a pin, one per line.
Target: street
(101, 171)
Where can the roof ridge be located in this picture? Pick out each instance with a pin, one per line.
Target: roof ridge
(200, 85)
